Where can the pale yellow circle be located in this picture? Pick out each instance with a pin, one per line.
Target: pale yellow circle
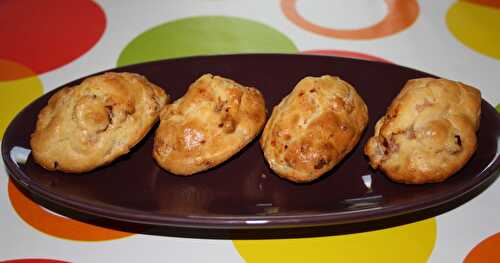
(411, 243)
(15, 95)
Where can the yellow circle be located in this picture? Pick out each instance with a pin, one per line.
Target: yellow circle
(16, 94)
(476, 26)
(411, 243)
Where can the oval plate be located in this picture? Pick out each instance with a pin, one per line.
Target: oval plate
(243, 192)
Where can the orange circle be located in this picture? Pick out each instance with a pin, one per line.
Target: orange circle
(19, 86)
(10, 70)
(486, 251)
(400, 15)
(58, 226)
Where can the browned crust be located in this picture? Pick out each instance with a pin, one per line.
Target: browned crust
(428, 132)
(91, 124)
(313, 128)
(214, 120)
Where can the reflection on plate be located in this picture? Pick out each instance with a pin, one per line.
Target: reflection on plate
(243, 192)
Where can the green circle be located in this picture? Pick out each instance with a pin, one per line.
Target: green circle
(204, 35)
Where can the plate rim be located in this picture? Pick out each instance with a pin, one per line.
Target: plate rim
(489, 173)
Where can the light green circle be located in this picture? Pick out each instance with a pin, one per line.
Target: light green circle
(204, 35)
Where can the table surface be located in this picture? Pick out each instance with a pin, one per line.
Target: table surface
(46, 44)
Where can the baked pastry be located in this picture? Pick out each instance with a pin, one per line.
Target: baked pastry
(214, 120)
(91, 124)
(428, 132)
(313, 128)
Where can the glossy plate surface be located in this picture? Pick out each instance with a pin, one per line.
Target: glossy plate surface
(243, 192)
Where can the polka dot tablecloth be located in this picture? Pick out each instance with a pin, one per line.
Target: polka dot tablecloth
(45, 44)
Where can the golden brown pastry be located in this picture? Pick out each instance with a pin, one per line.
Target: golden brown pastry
(91, 124)
(313, 128)
(214, 120)
(428, 132)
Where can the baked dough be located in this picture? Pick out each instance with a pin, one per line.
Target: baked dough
(428, 132)
(313, 128)
(214, 120)
(91, 124)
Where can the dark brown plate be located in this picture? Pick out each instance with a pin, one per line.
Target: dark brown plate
(243, 192)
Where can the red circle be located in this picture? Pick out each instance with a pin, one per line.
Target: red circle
(489, 3)
(34, 260)
(44, 35)
(346, 54)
